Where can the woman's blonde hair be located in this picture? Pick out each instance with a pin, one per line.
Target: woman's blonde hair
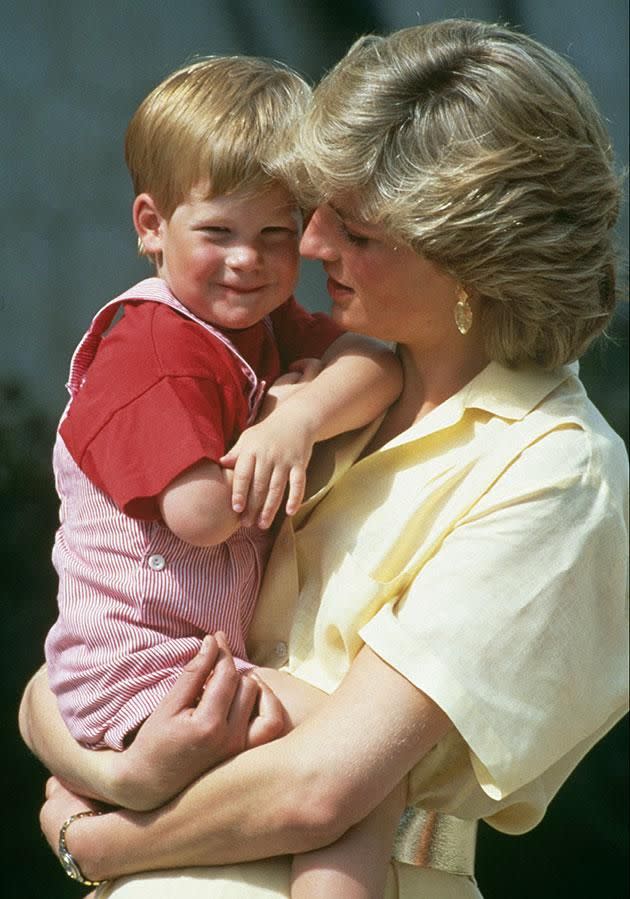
(485, 151)
(224, 120)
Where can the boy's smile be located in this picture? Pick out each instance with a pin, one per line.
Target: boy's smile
(231, 260)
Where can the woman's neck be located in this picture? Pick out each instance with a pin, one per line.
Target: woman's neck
(430, 378)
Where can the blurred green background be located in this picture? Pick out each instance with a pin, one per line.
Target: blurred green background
(70, 77)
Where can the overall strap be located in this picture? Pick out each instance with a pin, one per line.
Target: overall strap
(85, 352)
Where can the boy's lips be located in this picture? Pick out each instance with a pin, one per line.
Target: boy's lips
(239, 288)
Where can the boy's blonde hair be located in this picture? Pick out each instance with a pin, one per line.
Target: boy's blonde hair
(485, 151)
(227, 121)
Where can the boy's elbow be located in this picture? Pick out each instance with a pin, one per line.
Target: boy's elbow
(202, 532)
(199, 525)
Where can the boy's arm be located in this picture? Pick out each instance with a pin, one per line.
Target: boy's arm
(360, 379)
(355, 866)
(197, 505)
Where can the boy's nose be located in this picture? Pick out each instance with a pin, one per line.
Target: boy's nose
(243, 256)
(318, 239)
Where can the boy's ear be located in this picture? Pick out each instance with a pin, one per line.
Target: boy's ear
(148, 223)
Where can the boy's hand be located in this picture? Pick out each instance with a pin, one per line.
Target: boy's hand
(273, 453)
(265, 458)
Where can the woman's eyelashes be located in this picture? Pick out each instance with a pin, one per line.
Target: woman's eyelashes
(351, 236)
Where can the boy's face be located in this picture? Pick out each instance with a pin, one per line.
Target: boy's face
(232, 259)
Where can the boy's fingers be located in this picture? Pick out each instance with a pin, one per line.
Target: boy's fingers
(243, 473)
(297, 486)
(308, 368)
(189, 685)
(292, 377)
(257, 492)
(277, 486)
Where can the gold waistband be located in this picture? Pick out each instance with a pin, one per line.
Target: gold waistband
(430, 839)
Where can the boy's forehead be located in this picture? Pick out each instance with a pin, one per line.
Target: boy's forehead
(273, 198)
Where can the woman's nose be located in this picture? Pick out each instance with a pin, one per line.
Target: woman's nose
(318, 238)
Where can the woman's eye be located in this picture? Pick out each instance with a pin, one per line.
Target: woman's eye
(351, 236)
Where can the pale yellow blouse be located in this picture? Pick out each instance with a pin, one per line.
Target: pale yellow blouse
(483, 554)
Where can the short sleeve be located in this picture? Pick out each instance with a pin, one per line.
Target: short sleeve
(516, 627)
(301, 334)
(150, 441)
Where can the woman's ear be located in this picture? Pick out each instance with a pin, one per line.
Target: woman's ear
(148, 222)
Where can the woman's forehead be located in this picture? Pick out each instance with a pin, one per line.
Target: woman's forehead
(349, 208)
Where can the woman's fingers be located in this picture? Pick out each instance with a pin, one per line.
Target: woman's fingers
(52, 786)
(189, 685)
(241, 710)
(218, 694)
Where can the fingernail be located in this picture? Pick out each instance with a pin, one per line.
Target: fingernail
(205, 645)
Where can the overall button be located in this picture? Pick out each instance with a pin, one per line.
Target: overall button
(280, 650)
(157, 562)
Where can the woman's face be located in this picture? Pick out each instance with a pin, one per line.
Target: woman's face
(377, 288)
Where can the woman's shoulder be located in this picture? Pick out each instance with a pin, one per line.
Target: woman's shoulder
(580, 435)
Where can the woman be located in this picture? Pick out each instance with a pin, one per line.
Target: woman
(456, 579)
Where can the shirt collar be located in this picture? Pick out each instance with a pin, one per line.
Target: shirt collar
(512, 392)
(509, 393)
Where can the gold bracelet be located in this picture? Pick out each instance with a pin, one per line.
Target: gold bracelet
(68, 863)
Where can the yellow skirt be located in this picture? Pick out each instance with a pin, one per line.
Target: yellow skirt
(269, 879)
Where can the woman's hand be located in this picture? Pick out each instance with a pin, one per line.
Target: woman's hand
(211, 713)
(190, 731)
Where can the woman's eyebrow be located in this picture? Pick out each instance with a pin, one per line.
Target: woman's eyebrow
(350, 218)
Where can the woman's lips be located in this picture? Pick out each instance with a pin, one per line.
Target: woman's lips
(338, 291)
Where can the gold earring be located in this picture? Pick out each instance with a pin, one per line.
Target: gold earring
(463, 312)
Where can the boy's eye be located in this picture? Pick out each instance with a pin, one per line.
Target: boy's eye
(216, 230)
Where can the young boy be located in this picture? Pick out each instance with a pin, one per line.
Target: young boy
(158, 543)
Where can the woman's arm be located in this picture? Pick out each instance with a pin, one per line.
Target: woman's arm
(355, 865)
(298, 793)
